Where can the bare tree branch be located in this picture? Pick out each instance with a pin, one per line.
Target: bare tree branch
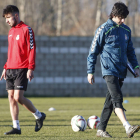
(59, 16)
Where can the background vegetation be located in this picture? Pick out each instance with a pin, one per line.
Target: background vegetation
(69, 17)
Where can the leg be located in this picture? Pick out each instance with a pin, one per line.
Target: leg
(14, 110)
(120, 113)
(107, 110)
(114, 87)
(19, 97)
(20, 85)
(113, 84)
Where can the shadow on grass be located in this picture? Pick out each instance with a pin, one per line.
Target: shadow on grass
(134, 119)
(33, 125)
(33, 120)
(115, 124)
(133, 115)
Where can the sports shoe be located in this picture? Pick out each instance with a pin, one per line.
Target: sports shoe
(39, 122)
(132, 129)
(101, 133)
(13, 131)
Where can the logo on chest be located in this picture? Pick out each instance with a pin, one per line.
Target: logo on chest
(17, 37)
(111, 36)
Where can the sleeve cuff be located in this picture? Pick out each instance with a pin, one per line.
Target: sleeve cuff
(136, 67)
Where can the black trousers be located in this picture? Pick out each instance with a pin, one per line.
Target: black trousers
(114, 99)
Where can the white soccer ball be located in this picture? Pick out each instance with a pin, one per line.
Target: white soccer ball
(78, 123)
(51, 109)
(93, 122)
(73, 119)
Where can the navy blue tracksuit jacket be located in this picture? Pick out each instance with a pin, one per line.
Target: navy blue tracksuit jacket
(113, 43)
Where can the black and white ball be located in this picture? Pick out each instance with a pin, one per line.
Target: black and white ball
(78, 123)
(93, 122)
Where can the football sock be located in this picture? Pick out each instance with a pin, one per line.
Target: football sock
(126, 125)
(99, 130)
(16, 124)
(37, 114)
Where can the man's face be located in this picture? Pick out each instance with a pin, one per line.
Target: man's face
(11, 19)
(118, 20)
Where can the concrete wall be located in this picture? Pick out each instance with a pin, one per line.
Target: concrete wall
(61, 69)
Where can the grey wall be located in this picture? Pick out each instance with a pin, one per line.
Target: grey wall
(61, 69)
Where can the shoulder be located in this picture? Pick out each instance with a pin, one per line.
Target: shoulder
(28, 31)
(103, 28)
(125, 27)
(11, 30)
(27, 28)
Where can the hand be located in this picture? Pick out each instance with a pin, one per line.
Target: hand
(137, 72)
(30, 74)
(3, 75)
(90, 78)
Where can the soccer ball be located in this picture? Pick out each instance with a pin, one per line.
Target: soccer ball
(73, 119)
(93, 122)
(78, 123)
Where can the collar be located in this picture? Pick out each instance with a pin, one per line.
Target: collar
(19, 25)
(112, 23)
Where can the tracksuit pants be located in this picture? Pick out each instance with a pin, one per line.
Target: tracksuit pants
(114, 99)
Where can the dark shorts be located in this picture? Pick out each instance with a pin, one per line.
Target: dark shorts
(16, 79)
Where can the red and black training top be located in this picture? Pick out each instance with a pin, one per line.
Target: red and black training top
(21, 47)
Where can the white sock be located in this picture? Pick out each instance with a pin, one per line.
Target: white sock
(99, 130)
(16, 124)
(126, 125)
(37, 114)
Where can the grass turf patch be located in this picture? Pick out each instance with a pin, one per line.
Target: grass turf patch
(57, 124)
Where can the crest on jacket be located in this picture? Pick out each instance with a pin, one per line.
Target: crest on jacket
(17, 37)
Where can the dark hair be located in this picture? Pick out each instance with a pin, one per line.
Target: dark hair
(119, 10)
(10, 9)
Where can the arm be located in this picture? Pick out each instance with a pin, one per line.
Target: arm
(137, 72)
(32, 53)
(5, 66)
(3, 75)
(90, 78)
(30, 74)
(95, 49)
(131, 54)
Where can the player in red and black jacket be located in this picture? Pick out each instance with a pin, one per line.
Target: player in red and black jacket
(21, 47)
(19, 67)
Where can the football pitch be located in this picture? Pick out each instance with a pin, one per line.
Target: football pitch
(57, 123)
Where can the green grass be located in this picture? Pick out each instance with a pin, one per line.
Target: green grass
(57, 124)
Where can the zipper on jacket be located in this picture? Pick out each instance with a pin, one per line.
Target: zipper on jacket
(119, 39)
(119, 49)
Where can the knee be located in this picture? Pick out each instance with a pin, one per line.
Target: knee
(11, 98)
(118, 105)
(18, 99)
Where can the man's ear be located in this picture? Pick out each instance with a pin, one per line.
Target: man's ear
(16, 15)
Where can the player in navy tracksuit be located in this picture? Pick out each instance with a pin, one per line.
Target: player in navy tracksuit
(112, 41)
(19, 67)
